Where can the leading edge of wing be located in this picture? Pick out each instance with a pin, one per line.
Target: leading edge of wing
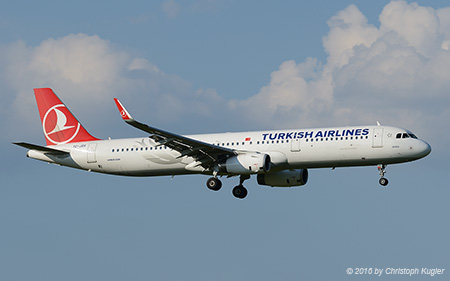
(186, 146)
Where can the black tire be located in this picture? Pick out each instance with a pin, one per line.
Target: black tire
(240, 192)
(214, 184)
(383, 181)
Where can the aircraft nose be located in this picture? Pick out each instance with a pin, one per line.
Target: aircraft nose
(423, 149)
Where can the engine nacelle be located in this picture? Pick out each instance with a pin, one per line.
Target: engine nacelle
(285, 178)
(246, 163)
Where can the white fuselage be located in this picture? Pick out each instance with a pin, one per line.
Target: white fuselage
(288, 149)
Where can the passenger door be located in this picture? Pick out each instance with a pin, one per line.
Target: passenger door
(91, 157)
(377, 139)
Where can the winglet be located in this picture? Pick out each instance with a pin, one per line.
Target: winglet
(123, 112)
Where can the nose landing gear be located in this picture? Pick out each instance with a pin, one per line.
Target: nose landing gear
(382, 170)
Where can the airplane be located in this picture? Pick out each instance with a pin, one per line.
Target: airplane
(278, 158)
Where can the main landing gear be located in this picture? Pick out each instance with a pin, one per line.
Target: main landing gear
(382, 170)
(239, 191)
(214, 184)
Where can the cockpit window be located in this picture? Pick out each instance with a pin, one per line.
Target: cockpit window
(405, 135)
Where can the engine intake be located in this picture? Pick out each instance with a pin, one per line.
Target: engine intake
(246, 163)
(285, 178)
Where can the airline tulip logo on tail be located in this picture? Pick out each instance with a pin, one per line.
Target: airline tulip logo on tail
(57, 128)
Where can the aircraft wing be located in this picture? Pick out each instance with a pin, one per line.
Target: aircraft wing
(206, 154)
(44, 149)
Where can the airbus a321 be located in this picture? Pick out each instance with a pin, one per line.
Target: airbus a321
(278, 158)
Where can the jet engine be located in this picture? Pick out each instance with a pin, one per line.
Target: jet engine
(285, 178)
(246, 163)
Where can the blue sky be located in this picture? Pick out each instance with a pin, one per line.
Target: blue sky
(214, 66)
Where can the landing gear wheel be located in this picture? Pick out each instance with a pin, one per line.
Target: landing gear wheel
(382, 170)
(240, 192)
(384, 181)
(214, 184)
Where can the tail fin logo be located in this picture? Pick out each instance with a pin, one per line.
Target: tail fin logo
(57, 128)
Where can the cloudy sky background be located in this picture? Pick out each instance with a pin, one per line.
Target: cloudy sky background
(214, 66)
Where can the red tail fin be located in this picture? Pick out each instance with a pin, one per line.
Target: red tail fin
(58, 123)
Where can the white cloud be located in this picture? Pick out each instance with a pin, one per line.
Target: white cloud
(295, 91)
(418, 25)
(87, 72)
(348, 29)
(396, 73)
(88, 65)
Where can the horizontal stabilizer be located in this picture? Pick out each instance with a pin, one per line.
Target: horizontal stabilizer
(41, 148)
